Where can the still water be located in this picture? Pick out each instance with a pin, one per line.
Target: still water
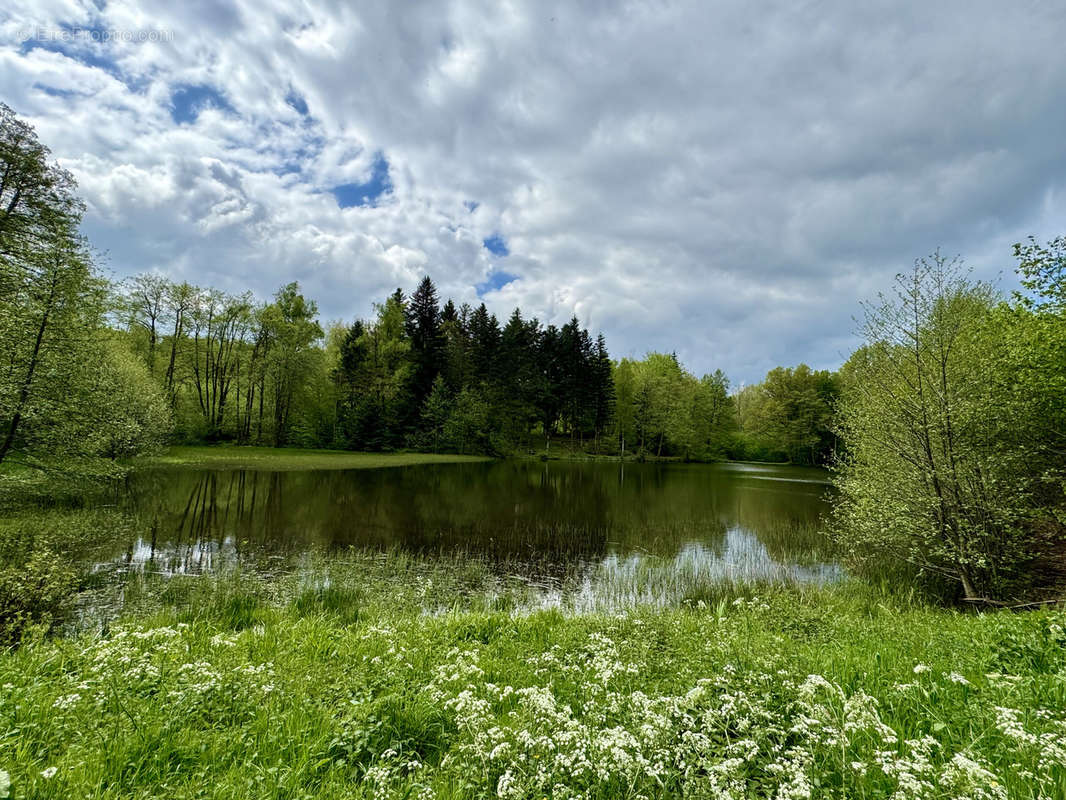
(730, 520)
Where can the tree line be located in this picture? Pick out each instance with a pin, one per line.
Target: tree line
(424, 375)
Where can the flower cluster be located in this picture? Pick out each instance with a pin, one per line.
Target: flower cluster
(727, 736)
(156, 663)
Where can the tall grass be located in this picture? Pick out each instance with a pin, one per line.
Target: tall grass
(389, 675)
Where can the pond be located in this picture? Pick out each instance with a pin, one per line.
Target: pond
(537, 519)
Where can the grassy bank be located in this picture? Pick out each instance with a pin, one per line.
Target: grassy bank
(396, 677)
(281, 459)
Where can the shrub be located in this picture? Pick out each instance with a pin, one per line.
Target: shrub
(33, 595)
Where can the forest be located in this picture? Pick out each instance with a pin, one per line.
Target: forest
(426, 376)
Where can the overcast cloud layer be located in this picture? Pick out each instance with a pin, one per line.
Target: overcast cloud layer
(723, 180)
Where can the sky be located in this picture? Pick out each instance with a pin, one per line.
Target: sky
(723, 180)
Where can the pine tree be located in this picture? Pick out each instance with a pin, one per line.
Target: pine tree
(519, 381)
(436, 412)
(484, 346)
(456, 334)
(549, 363)
(350, 378)
(603, 387)
(448, 313)
(575, 389)
(423, 325)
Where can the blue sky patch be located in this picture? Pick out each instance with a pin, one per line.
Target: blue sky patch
(365, 194)
(496, 245)
(187, 102)
(471, 205)
(75, 43)
(497, 279)
(52, 91)
(296, 101)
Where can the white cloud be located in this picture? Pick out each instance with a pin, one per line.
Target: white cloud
(723, 181)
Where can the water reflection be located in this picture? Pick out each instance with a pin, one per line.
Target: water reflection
(710, 519)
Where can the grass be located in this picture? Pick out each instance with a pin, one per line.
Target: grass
(394, 676)
(281, 459)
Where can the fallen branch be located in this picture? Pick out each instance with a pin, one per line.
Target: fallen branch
(1002, 604)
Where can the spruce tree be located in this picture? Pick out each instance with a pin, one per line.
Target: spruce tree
(423, 325)
(448, 313)
(519, 376)
(484, 344)
(550, 367)
(603, 387)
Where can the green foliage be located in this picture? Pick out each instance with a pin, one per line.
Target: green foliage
(1042, 269)
(33, 594)
(37, 199)
(787, 417)
(950, 463)
(740, 695)
(374, 375)
(664, 410)
(132, 417)
(68, 395)
(466, 430)
(38, 551)
(452, 380)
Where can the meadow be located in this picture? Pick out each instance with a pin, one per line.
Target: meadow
(389, 675)
(280, 459)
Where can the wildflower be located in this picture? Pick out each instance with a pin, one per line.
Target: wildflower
(919, 669)
(66, 701)
(5, 784)
(963, 774)
(49, 772)
(505, 786)
(955, 677)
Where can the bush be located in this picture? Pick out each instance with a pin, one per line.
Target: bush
(32, 596)
(38, 550)
(946, 460)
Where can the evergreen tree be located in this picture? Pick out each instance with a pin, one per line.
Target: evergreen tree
(602, 378)
(456, 358)
(484, 346)
(549, 364)
(448, 313)
(436, 412)
(423, 325)
(349, 377)
(575, 378)
(388, 374)
(520, 377)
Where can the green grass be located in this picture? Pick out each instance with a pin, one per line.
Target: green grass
(281, 459)
(393, 676)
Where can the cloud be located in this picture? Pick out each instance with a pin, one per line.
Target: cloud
(719, 180)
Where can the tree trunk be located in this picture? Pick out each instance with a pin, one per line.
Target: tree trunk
(24, 391)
